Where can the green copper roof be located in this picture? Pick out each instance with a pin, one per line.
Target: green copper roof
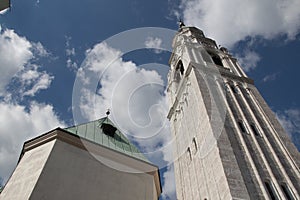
(105, 133)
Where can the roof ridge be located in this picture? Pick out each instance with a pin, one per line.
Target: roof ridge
(104, 132)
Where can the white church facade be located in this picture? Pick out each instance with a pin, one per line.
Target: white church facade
(229, 144)
(89, 161)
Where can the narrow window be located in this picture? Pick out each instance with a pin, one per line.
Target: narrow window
(287, 192)
(255, 130)
(180, 67)
(234, 89)
(243, 127)
(195, 147)
(216, 59)
(226, 85)
(271, 190)
(189, 153)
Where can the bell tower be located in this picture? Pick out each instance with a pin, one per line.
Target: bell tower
(229, 144)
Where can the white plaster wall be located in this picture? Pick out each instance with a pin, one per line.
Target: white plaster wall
(72, 173)
(26, 174)
(202, 176)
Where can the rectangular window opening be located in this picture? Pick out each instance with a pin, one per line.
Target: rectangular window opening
(189, 153)
(243, 127)
(255, 130)
(234, 89)
(226, 86)
(271, 190)
(195, 147)
(287, 192)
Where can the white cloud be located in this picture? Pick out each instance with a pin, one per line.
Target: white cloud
(129, 91)
(154, 43)
(71, 64)
(270, 77)
(169, 188)
(135, 97)
(29, 75)
(134, 94)
(70, 54)
(19, 125)
(290, 120)
(19, 70)
(17, 57)
(39, 49)
(28, 82)
(42, 82)
(233, 20)
(248, 60)
(14, 54)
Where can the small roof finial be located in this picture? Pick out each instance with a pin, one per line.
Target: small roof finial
(107, 112)
(181, 24)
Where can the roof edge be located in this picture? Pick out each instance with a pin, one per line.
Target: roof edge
(65, 136)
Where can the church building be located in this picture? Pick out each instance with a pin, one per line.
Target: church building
(89, 161)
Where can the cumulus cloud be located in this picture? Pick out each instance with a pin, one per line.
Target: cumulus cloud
(248, 60)
(14, 54)
(154, 43)
(231, 21)
(135, 96)
(18, 125)
(290, 120)
(17, 58)
(21, 76)
(28, 82)
(39, 49)
(169, 188)
(42, 82)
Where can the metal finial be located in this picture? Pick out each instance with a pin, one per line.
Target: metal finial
(107, 112)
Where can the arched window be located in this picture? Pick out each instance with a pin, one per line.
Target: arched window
(273, 194)
(217, 60)
(255, 129)
(287, 191)
(243, 127)
(180, 67)
(235, 89)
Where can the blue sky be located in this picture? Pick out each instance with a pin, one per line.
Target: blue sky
(52, 52)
